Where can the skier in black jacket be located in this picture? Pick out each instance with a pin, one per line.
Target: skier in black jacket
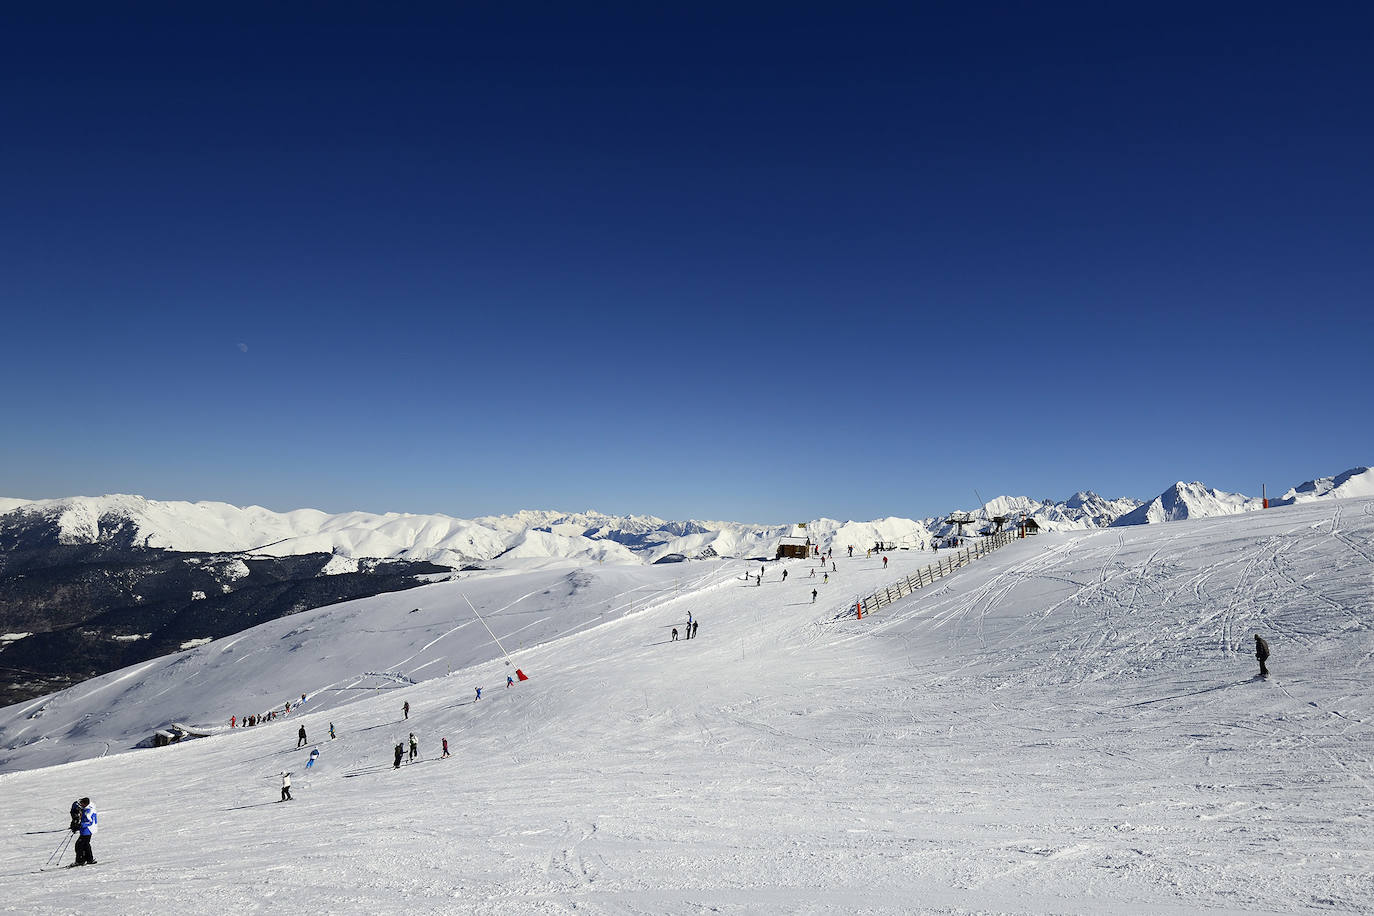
(1262, 653)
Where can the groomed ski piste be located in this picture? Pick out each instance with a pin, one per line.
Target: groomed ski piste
(1071, 725)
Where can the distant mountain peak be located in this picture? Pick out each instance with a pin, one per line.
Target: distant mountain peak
(1358, 481)
(1188, 500)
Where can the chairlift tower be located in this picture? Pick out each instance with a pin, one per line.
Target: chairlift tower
(959, 520)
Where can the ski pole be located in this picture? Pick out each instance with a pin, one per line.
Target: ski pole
(61, 847)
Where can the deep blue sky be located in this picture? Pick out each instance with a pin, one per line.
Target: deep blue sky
(748, 262)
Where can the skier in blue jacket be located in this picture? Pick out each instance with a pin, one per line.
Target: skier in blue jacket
(87, 828)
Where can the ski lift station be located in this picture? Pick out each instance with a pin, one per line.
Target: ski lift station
(795, 546)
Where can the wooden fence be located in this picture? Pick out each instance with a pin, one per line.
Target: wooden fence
(953, 560)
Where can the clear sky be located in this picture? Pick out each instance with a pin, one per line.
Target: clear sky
(745, 262)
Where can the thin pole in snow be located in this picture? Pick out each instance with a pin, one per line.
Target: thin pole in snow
(488, 629)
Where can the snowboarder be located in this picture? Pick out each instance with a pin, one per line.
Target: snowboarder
(1262, 653)
(479, 694)
(674, 634)
(232, 720)
(414, 748)
(300, 738)
(445, 753)
(813, 596)
(695, 624)
(406, 709)
(400, 752)
(76, 816)
(314, 755)
(331, 731)
(86, 828)
(286, 787)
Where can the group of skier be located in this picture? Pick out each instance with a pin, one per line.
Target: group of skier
(691, 628)
(249, 721)
(414, 749)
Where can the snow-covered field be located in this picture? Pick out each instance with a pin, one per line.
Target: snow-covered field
(1071, 725)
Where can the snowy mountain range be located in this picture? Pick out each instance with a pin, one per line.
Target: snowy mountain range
(529, 537)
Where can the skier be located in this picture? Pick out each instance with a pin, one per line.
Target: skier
(479, 694)
(445, 753)
(826, 579)
(784, 575)
(314, 755)
(232, 720)
(406, 709)
(400, 752)
(331, 731)
(510, 681)
(832, 566)
(884, 562)
(86, 828)
(414, 748)
(288, 708)
(300, 738)
(813, 596)
(286, 787)
(674, 634)
(851, 551)
(695, 624)
(1262, 653)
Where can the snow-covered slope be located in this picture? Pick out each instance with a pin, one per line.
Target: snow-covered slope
(1071, 725)
(1188, 500)
(1355, 482)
